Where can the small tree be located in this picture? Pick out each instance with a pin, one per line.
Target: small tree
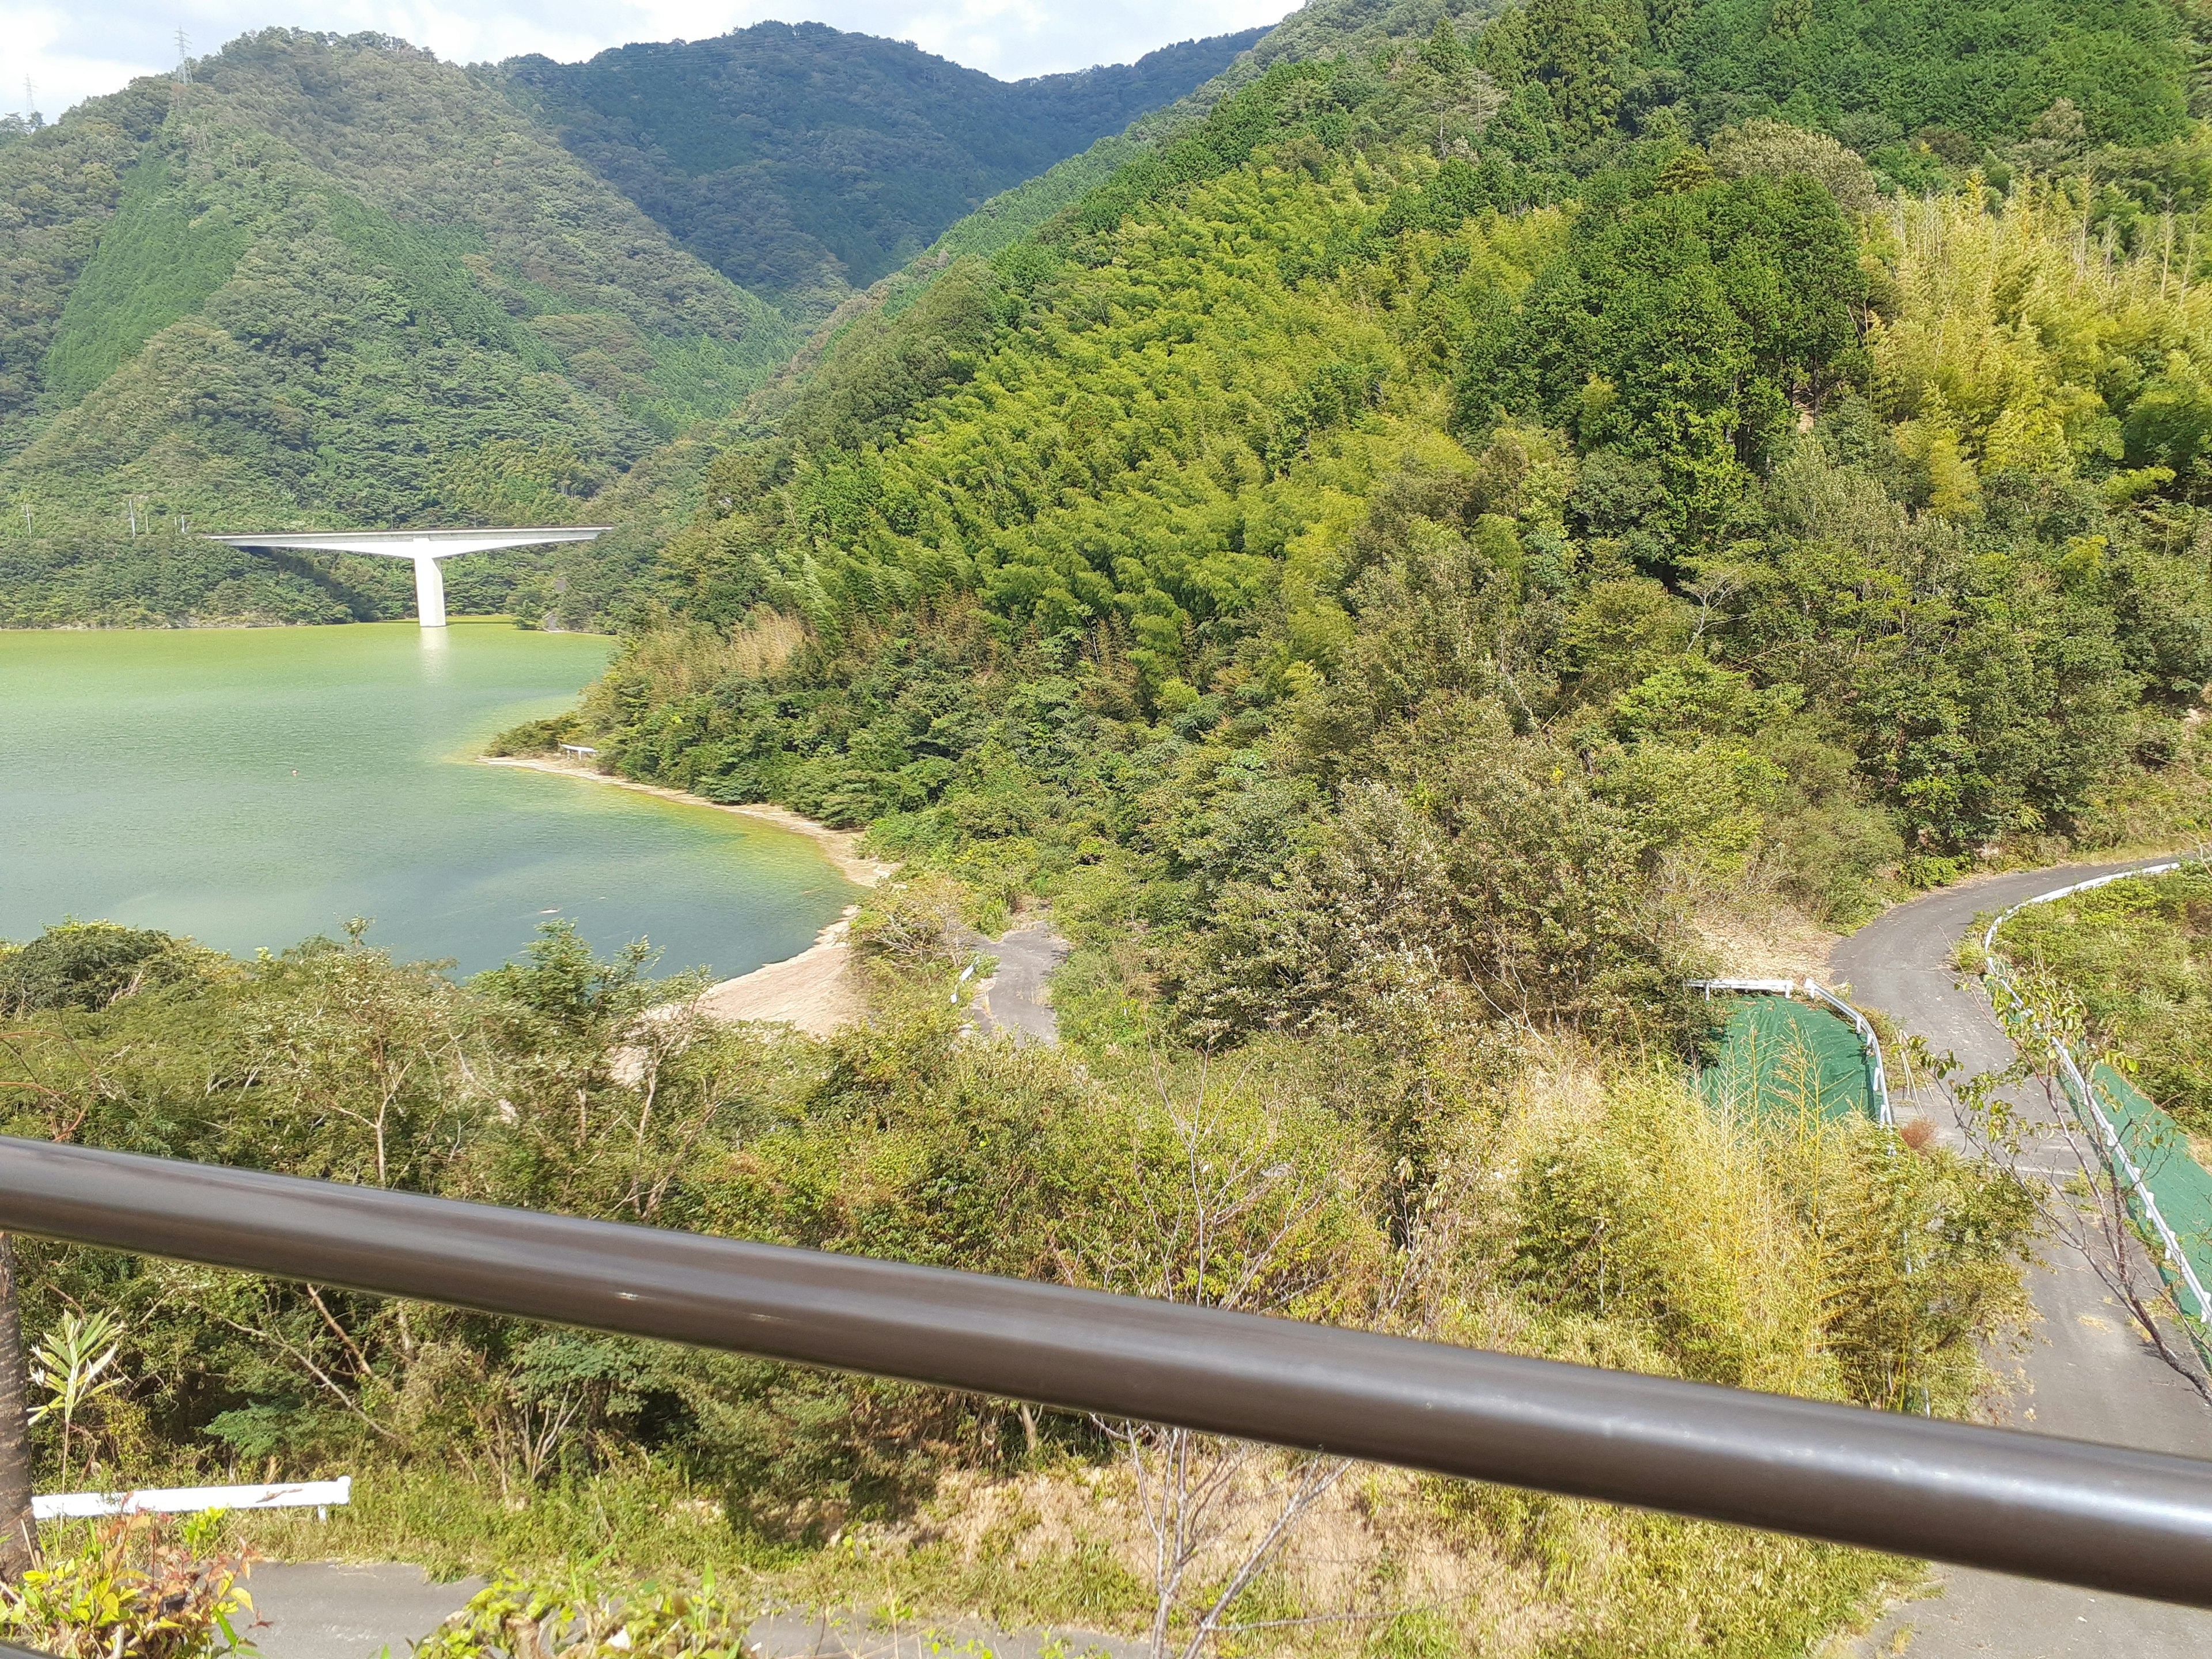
(73, 1365)
(1232, 1206)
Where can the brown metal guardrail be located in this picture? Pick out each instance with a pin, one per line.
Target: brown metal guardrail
(2100, 1516)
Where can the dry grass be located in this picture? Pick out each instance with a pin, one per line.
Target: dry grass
(1378, 1546)
(1746, 925)
(684, 662)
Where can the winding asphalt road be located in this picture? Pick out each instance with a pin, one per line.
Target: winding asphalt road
(2086, 1376)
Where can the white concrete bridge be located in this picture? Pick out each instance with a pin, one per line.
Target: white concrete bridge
(425, 547)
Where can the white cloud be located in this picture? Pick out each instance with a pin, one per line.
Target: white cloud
(72, 53)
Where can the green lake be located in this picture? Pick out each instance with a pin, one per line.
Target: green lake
(251, 787)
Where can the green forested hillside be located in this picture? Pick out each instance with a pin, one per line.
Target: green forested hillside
(1401, 560)
(328, 281)
(800, 162)
(333, 281)
(1407, 411)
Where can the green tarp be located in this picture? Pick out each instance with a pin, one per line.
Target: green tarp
(1780, 1057)
(2161, 1151)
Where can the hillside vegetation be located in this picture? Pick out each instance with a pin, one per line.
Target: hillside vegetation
(804, 162)
(1535, 1198)
(2133, 961)
(335, 282)
(1392, 558)
(1377, 442)
(1395, 563)
(329, 282)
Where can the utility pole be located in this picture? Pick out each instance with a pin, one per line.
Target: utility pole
(19, 1530)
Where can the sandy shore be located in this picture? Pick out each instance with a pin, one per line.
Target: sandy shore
(813, 990)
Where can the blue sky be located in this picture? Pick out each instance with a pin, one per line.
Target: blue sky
(73, 51)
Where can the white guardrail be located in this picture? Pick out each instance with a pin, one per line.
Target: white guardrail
(2077, 1086)
(1814, 991)
(322, 1495)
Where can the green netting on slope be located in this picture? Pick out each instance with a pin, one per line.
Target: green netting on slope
(2177, 1181)
(1780, 1057)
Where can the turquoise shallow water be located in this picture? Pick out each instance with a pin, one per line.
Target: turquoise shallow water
(251, 787)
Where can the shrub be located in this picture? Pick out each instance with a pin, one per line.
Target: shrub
(517, 1618)
(136, 1587)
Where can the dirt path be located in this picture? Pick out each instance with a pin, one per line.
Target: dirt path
(2086, 1377)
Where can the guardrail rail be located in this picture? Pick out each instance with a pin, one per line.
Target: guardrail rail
(2083, 1096)
(2104, 1517)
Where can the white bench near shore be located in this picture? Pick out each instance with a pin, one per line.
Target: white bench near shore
(321, 1495)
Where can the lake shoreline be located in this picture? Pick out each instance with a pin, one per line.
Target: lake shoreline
(811, 990)
(840, 846)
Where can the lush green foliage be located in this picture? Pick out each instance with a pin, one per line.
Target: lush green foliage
(1986, 68)
(81, 965)
(1514, 1197)
(338, 282)
(140, 1585)
(510, 1617)
(1953, 76)
(1385, 561)
(800, 162)
(1288, 465)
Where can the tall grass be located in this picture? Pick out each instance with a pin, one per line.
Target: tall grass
(673, 665)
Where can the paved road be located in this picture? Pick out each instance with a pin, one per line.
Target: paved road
(1013, 1000)
(328, 1610)
(2086, 1377)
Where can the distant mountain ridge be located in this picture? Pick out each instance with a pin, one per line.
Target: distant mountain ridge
(801, 161)
(333, 281)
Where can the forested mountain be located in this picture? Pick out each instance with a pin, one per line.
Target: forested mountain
(329, 280)
(1400, 557)
(1453, 389)
(800, 162)
(334, 280)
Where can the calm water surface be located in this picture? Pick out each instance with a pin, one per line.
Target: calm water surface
(251, 787)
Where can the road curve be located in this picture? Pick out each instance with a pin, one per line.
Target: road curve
(2086, 1376)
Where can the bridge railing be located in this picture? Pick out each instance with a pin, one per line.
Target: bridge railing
(2100, 1516)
